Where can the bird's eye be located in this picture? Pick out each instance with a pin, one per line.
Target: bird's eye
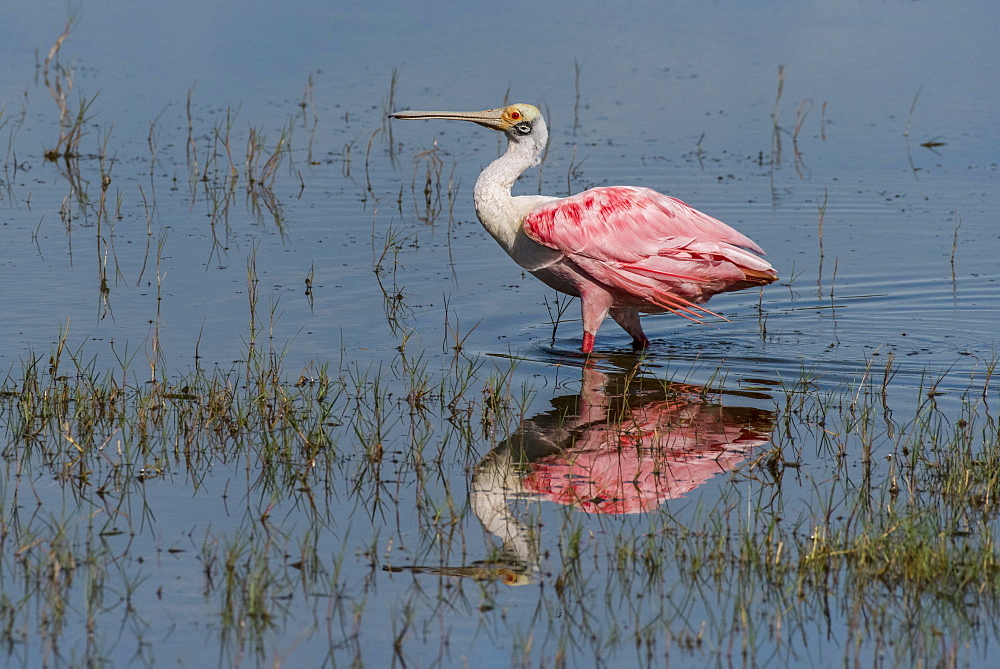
(514, 115)
(523, 128)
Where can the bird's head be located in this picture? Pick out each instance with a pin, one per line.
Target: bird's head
(517, 121)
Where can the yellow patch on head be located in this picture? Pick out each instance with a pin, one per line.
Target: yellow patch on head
(520, 112)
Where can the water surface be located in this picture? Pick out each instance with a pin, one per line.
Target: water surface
(872, 182)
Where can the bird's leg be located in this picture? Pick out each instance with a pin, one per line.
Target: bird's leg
(595, 304)
(628, 318)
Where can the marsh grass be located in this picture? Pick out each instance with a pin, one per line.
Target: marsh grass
(895, 512)
(71, 125)
(10, 165)
(215, 167)
(556, 310)
(426, 186)
(777, 130)
(71, 133)
(308, 105)
(388, 106)
(262, 172)
(867, 524)
(914, 528)
(106, 436)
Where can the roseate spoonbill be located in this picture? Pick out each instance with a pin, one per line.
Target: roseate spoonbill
(622, 250)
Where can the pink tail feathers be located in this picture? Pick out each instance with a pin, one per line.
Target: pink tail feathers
(671, 302)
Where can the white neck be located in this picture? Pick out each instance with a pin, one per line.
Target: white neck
(494, 204)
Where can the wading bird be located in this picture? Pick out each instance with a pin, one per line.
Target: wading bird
(622, 250)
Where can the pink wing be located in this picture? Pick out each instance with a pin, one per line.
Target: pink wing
(649, 245)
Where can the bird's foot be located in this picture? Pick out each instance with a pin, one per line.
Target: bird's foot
(640, 344)
(588, 343)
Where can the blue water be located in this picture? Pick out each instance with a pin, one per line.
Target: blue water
(681, 99)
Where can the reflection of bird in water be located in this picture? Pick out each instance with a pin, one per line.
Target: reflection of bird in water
(625, 444)
(621, 250)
